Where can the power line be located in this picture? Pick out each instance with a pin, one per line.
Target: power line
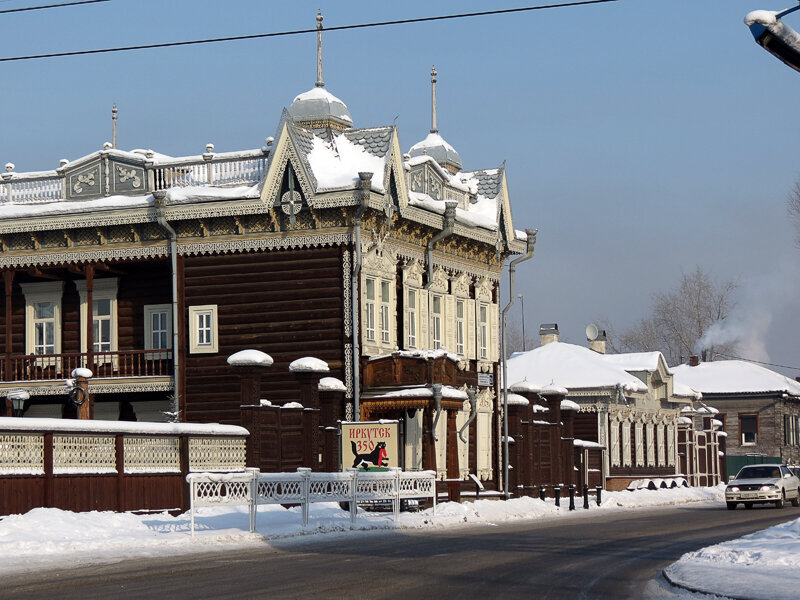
(44, 6)
(300, 31)
(757, 361)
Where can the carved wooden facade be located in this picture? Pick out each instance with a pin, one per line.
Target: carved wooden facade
(256, 250)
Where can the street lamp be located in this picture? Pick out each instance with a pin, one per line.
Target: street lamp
(522, 301)
(18, 398)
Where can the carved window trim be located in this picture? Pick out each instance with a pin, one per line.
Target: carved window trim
(203, 329)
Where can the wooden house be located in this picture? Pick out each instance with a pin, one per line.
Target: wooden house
(626, 404)
(759, 409)
(329, 241)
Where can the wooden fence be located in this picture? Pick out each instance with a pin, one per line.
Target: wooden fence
(109, 465)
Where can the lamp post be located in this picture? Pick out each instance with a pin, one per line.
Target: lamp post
(18, 398)
(522, 302)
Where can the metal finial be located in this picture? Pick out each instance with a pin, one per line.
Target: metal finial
(114, 126)
(319, 83)
(434, 128)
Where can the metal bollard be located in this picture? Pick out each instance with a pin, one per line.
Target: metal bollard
(542, 493)
(557, 494)
(599, 489)
(585, 496)
(572, 497)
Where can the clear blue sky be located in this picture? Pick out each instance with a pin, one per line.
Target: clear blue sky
(642, 137)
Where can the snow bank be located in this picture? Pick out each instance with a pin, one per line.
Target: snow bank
(763, 565)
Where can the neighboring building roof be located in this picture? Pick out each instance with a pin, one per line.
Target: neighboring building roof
(570, 366)
(636, 361)
(734, 377)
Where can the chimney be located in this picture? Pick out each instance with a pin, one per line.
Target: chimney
(597, 338)
(548, 332)
(694, 361)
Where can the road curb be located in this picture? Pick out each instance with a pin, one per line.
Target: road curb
(679, 584)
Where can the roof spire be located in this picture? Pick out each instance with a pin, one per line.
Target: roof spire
(434, 128)
(114, 126)
(319, 83)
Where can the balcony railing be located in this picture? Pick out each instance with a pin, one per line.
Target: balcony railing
(211, 169)
(120, 364)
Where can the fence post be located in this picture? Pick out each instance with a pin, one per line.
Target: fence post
(354, 502)
(585, 496)
(186, 492)
(253, 498)
(304, 473)
(542, 493)
(396, 499)
(191, 503)
(557, 494)
(119, 447)
(572, 496)
(49, 484)
(599, 489)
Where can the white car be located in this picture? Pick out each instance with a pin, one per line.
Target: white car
(763, 483)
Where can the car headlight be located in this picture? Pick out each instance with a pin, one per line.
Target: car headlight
(769, 487)
(733, 488)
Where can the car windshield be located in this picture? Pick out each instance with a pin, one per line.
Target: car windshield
(759, 473)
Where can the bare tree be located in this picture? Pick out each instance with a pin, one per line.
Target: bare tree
(793, 205)
(680, 318)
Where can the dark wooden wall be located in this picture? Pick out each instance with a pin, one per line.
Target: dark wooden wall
(288, 304)
(140, 283)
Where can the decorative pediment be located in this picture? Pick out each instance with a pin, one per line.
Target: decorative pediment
(380, 260)
(485, 400)
(86, 181)
(461, 285)
(483, 289)
(440, 281)
(412, 273)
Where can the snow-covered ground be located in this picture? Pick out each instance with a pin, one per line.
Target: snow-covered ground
(764, 565)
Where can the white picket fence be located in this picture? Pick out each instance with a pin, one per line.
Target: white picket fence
(305, 487)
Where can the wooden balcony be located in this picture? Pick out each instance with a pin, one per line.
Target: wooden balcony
(128, 364)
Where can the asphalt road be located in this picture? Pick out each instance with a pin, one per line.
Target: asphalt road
(611, 555)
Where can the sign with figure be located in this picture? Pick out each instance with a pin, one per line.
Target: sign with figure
(370, 445)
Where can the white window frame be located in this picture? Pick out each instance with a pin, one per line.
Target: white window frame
(412, 315)
(615, 458)
(149, 311)
(483, 331)
(638, 432)
(385, 303)
(671, 458)
(626, 444)
(651, 444)
(35, 293)
(369, 308)
(461, 325)
(195, 314)
(437, 320)
(660, 444)
(102, 289)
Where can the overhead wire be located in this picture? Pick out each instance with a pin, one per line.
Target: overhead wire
(758, 362)
(301, 31)
(46, 6)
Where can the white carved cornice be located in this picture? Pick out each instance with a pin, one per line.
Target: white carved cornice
(273, 243)
(94, 254)
(461, 283)
(483, 289)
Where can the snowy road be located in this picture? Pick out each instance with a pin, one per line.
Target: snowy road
(601, 555)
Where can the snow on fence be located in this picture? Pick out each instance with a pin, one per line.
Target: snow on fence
(306, 487)
(83, 465)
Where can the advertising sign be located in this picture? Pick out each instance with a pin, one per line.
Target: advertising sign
(370, 445)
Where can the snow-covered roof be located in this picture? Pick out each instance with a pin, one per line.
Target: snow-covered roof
(636, 361)
(573, 367)
(435, 146)
(318, 104)
(421, 392)
(336, 164)
(734, 377)
(516, 399)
